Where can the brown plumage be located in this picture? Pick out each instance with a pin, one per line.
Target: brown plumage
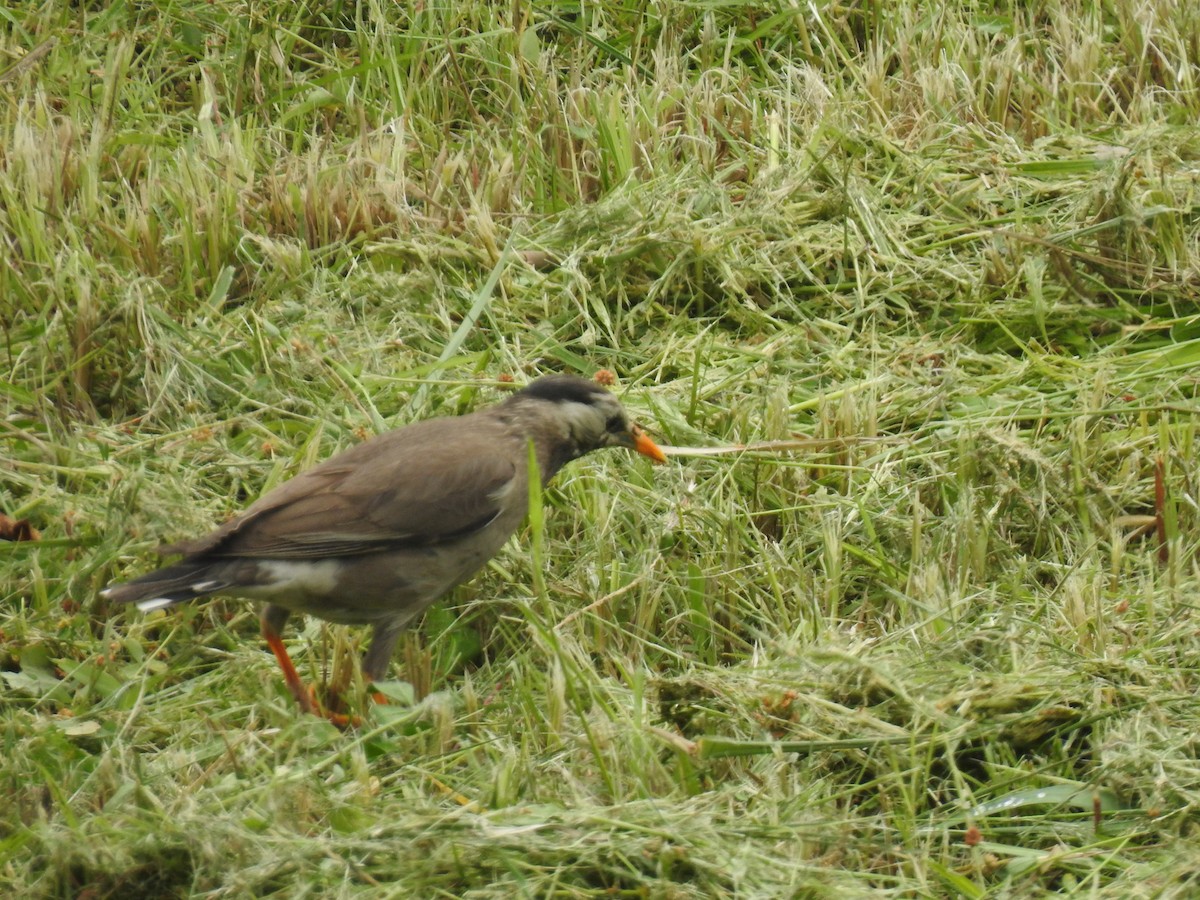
(377, 533)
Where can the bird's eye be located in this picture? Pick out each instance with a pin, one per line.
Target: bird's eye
(615, 424)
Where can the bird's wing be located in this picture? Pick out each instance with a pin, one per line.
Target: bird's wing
(422, 485)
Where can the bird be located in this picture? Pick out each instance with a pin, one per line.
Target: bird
(378, 532)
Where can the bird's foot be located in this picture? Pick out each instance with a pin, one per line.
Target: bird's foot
(332, 709)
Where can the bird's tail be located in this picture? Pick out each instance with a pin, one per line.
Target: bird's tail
(185, 580)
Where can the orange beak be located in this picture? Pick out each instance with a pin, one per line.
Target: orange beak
(643, 445)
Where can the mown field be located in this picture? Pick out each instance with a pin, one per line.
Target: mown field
(944, 643)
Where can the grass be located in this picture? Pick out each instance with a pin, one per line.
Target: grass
(946, 648)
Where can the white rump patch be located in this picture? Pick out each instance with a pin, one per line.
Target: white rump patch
(156, 603)
(287, 576)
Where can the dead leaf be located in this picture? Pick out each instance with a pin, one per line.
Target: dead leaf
(17, 530)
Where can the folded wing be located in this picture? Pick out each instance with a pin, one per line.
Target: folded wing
(428, 483)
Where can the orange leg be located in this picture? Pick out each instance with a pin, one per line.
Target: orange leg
(295, 685)
(273, 619)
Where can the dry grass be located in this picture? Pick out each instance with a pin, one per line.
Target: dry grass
(947, 649)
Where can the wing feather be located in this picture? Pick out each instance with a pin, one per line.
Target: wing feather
(422, 485)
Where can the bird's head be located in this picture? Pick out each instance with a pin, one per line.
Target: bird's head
(581, 416)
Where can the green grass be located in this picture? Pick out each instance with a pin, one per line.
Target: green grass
(947, 647)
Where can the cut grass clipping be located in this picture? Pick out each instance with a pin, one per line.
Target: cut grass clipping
(931, 630)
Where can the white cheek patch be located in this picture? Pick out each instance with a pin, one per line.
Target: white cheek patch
(585, 424)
